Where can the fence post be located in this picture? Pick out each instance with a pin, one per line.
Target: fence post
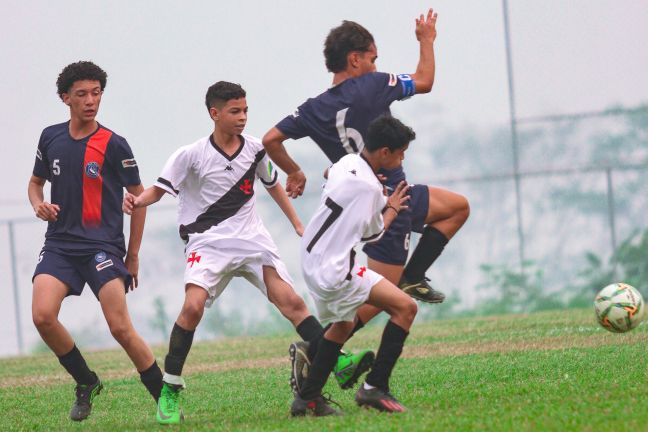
(14, 275)
(611, 218)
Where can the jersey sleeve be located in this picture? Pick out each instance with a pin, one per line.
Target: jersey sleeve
(41, 163)
(384, 88)
(122, 159)
(175, 171)
(266, 172)
(293, 126)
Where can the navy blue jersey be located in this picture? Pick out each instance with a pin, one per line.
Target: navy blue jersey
(88, 177)
(338, 119)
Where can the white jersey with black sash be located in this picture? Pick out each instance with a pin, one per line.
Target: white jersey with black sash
(216, 191)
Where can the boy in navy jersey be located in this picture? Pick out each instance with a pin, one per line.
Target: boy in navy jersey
(337, 121)
(88, 166)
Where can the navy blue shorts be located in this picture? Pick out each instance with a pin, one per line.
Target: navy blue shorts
(95, 269)
(393, 246)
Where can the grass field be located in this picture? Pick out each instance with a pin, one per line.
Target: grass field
(544, 371)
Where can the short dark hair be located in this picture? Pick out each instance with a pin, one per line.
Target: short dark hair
(387, 131)
(347, 37)
(79, 71)
(221, 92)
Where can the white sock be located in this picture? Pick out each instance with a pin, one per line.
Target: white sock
(173, 379)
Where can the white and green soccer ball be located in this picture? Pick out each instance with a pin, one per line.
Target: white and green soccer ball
(619, 307)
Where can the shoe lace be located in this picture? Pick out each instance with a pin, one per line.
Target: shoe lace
(82, 392)
(327, 398)
(172, 399)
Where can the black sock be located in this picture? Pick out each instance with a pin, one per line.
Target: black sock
(179, 346)
(152, 380)
(310, 329)
(391, 347)
(320, 369)
(75, 364)
(358, 325)
(427, 251)
(312, 348)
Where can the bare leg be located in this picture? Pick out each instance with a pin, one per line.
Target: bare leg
(48, 294)
(112, 297)
(284, 297)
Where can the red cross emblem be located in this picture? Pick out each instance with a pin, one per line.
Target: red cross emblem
(246, 187)
(362, 270)
(193, 258)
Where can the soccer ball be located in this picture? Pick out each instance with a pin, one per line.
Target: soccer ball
(619, 307)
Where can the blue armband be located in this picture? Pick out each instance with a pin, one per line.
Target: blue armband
(407, 84)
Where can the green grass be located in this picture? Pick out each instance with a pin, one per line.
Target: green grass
(543, 371)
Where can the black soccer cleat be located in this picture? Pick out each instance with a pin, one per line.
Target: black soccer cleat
(378, 399)
(421, 291)
(299, 365)
(318, 407)
(85, 394)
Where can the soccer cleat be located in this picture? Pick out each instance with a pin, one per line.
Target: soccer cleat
(421, 291)
(299, 363)
(318, 407)
(350, 367)
(85, 394)
(168, 411)
(378, 399)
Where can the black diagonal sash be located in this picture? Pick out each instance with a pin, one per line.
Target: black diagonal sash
(227, 205)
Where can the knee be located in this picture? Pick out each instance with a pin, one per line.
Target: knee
(44, 319)
(121, 332)
(463, 208)
(407, 310)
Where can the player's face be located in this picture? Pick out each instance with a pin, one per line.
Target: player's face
(393, 159)
(83, 98)
(367, 61)
(232, 118)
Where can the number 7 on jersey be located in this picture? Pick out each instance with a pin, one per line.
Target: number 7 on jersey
(336, 211)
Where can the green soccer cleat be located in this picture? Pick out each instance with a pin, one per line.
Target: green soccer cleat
(85, 394)
(421, 291)
(350, 367)
(168, 411)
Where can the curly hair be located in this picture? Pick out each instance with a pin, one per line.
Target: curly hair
(388, 131)
(79, 71)
(221, 92)
(347, 37)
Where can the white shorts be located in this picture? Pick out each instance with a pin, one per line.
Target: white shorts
(340, 303)
(212, 267)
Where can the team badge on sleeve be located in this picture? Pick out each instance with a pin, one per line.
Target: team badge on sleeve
(392, 80)
(129, 163)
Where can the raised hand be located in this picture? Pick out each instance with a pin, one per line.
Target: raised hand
(426, 26)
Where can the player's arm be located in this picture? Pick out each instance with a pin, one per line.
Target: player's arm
(273, 143)
(144, 198)
(425, 34)
(396, 203)
(43, 210)
(138, 217)
(278, 194)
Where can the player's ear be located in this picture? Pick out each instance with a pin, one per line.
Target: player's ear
(213, 113)
(65, 97)
(352, 59)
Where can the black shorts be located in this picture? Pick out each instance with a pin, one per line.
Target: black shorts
(96, 269)
(393, 246)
